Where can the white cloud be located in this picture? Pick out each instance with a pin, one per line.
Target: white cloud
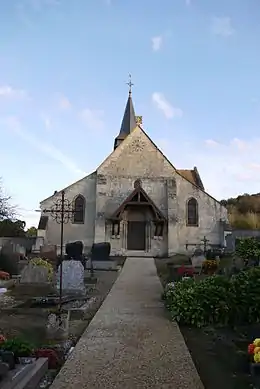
(157, 42)
(222, 26)
(64, 103)
(10, 92)
(14, 125)
(211, 143)
(227, 169)
(165, 106)
(93, 119)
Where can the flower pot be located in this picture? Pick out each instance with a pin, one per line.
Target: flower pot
(255, 373)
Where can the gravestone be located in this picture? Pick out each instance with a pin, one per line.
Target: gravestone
(197, 259)
(49, 252)
(4, 368)
(74, 250)
(32, 274)
(9, 260)
(100, 251)
(34, 281)
(72, 277)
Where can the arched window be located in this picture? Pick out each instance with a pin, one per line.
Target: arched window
(79, 209)
(192, 213)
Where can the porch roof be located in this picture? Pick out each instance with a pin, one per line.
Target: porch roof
(139, 198)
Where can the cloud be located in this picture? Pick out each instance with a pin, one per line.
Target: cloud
(165, 106)
(93, 119)
(222, 26)
(157, 42)
(227, 169)
(64, 103)
(14, 125)
(9, 92)
(211, 143)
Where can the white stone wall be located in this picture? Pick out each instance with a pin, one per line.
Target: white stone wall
(139, 158)
(84, 232)
(211, 212)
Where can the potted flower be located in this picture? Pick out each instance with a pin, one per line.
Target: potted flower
(20, 348)
(254, 357)
(210, 266)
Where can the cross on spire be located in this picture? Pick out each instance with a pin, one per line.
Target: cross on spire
(130, 84)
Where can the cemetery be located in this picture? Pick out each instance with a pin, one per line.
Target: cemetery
(45, 305)
(215, 299)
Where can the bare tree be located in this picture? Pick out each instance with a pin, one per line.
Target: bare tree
(7, 211)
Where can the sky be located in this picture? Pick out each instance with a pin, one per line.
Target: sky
(64, 65)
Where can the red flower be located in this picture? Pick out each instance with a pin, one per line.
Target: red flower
(185, 270)
(53, 359)
(2, 338)
(251, 348)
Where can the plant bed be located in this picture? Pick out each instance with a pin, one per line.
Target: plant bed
(220, 355)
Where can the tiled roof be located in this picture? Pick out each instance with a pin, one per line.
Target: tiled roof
(192, 176)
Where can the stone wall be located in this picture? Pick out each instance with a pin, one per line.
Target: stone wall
(139, 158)
(84, 232)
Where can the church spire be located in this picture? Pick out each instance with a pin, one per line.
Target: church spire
(129, 119)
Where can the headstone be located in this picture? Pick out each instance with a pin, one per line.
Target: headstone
(4, 368)
(9, 358)
(9, 261)
(72, 277)
(197, 259)
(100, 251)
(32, 274)
(74, 250)
(49, 252)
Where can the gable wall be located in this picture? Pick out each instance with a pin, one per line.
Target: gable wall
(84, 232)
(136, 158)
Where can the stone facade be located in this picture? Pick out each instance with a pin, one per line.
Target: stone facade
(105, 190)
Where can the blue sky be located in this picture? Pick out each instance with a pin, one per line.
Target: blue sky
(64, 65)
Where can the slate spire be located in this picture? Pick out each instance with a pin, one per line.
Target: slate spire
(129, 119)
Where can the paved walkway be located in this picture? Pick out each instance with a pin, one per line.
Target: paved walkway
(130, 344)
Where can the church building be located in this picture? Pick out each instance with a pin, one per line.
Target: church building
(138, 201)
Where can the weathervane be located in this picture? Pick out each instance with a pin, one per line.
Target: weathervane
(130, 84)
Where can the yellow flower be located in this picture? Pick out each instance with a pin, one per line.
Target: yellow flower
(257, 342)
(257, 357)
(42, 262)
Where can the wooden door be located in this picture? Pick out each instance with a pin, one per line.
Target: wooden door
(136, 235)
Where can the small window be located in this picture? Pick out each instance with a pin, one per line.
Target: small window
(192, 213)
(158, 229)
(115, 228)
(79, 210)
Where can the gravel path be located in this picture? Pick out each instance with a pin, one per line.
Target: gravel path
(130, 343)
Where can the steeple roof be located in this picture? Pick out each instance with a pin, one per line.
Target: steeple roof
(129, 121)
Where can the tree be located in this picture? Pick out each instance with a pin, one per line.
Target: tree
(10, 228)
(31, 232)
(9, 224)
(7, 211)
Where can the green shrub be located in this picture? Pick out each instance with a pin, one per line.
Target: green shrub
(216, 300)
(245, 288)
(19, 347)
